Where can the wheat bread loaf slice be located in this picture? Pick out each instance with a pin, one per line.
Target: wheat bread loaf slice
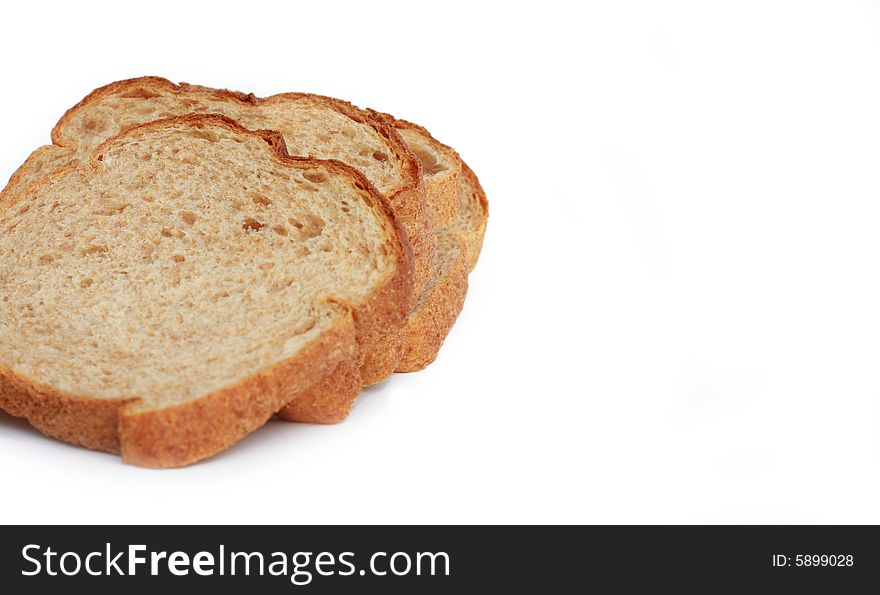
(164, 297)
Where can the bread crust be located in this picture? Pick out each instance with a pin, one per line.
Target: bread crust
(329, 400)
(197, 429)
(473, 238)
(185, 433)
(430, 322)
(439, 306)
(34, 162)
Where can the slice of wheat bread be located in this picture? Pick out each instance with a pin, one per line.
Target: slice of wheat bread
(312, 125)
(166, 296)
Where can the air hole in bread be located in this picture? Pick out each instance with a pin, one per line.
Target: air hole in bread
(380, 156)
(251, 224)
(46, 259)
(166, 233)
(203, 134)
(139, 93)
(315, 176)
(280, 230)
(178, 258)
(111, 210)
(310, 227)
(93, 249)
(259, 199)
(86, 283)
(188, 217)
(430, 165)
(148, 198)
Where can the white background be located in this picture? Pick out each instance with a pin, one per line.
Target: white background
(676, 317)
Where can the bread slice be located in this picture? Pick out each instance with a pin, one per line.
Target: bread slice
(452, 197)
(167, 295)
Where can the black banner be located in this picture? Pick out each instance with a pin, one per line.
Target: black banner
(280, 559)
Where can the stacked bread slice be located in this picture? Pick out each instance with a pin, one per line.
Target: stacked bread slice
(173, 277)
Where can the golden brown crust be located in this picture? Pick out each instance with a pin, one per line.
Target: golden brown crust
(182, 434)
(428, 325)
(85, 422)
(186, 433)
(36, 161)
(438, 308)
(473, 238)
(329, 400)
